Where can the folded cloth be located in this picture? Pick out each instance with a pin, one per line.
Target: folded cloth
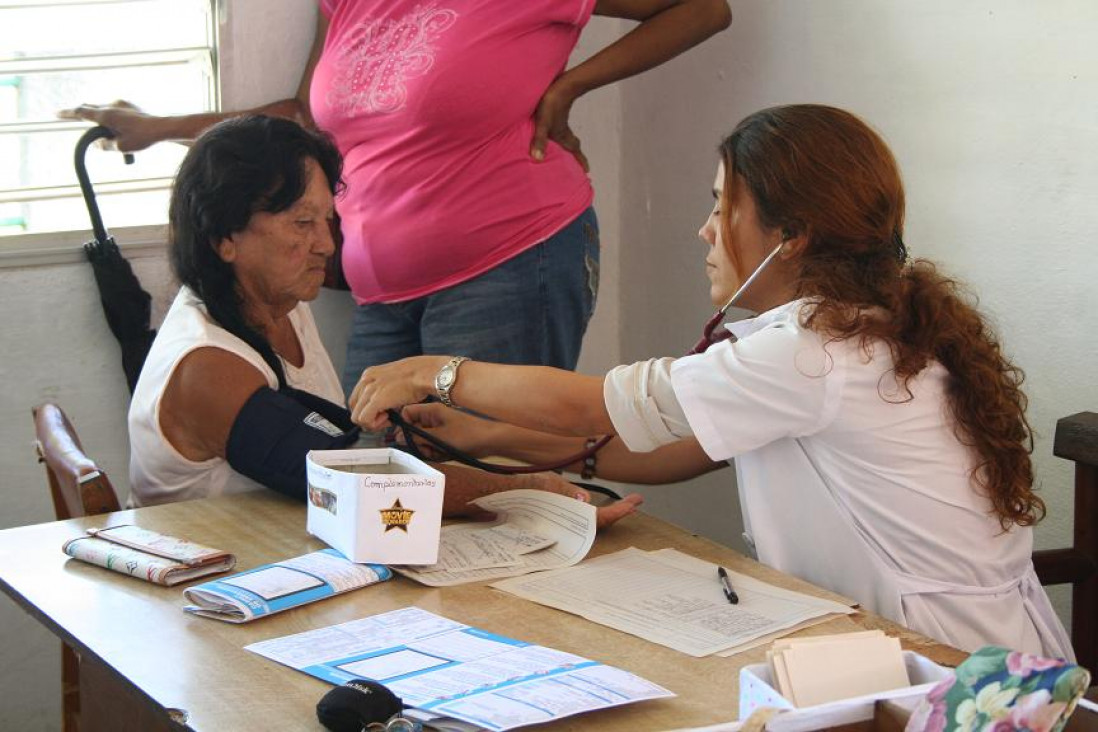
(999, 690)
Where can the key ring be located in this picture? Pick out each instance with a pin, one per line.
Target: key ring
(395, 724)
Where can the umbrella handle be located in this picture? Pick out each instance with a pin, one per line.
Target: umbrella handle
(93, 134)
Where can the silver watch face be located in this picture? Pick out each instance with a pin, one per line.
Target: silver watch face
(446, 377)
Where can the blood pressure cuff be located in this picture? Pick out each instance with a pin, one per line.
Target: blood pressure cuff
(276, 429)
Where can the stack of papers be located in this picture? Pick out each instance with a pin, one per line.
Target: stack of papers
(811, 671)
(533, 531)
(673, 599)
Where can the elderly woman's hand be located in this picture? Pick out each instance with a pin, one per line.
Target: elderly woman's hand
(391, 386)
(607, 515)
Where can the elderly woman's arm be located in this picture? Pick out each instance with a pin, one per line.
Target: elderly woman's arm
(464, 485)
(202, 400)
(210, 387)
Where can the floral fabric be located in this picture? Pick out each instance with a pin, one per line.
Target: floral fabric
(999, 690)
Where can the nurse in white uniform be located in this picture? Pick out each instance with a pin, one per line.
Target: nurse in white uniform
(878, 433)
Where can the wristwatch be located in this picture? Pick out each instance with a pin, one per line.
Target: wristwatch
(446, 378)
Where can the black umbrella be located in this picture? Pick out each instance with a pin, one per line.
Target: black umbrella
(127, 306)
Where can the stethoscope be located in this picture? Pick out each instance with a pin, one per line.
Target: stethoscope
(449, 452)
(708, 338)
(446, 452)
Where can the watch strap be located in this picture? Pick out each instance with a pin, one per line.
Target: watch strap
(444, 390)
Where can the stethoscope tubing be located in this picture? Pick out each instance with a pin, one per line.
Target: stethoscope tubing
(708, 339)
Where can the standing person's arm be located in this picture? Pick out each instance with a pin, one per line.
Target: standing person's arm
(135, 130)
(666, 29)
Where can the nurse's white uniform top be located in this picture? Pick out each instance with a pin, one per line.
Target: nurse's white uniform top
(846, 480)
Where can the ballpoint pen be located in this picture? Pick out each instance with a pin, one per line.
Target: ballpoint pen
(726, 585)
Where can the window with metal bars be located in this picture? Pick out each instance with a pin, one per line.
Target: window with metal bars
(158, 54)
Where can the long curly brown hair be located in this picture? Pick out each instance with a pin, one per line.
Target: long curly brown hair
(822, 173)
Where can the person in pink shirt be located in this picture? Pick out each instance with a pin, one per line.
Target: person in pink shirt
(467, 221)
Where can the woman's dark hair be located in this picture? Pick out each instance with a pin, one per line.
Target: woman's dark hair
(234, 170)
(823, 173)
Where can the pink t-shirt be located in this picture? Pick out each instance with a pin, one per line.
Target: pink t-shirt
(431, 103)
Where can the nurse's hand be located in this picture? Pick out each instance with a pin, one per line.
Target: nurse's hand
(472, 435)
(391, 386)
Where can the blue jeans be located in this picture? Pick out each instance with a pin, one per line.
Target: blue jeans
(531, 309)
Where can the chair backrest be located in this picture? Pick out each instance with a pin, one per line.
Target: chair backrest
(1077, 440)
(77, 485)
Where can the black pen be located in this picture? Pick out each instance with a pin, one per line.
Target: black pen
(726, 585)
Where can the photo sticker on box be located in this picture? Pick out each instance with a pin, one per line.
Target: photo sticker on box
(324, 499)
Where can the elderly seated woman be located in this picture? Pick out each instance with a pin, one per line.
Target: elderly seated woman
(237, 386)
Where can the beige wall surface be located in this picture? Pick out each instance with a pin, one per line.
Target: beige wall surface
(991, 107)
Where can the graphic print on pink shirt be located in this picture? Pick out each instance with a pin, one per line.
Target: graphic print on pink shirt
(379, 54)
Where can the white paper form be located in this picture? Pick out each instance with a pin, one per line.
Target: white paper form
(485, 548)
(705, 569)
(670, 598)
(457, 671)
(568, 523)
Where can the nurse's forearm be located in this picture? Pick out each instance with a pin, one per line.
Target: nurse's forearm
(537, 397)
(668, 464)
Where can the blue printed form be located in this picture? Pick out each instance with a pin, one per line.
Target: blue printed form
(272, 588)
(455, 670)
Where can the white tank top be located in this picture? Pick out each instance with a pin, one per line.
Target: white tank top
(158, 472)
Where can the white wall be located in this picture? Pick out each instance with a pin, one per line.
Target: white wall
(991, 108)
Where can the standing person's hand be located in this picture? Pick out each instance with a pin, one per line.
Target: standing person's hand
(551, 123)
(133, 129)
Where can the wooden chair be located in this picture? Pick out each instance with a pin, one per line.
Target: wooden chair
(1077, 440)
(79, 488)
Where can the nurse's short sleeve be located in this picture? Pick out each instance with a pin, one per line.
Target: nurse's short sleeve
(780, 382)
(642, 405)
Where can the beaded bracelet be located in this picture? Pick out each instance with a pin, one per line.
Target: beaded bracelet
(588, 471)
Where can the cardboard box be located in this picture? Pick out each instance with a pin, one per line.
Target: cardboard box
(757, 688)
(382, 506)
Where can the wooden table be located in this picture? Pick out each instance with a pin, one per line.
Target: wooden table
(147, 665)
